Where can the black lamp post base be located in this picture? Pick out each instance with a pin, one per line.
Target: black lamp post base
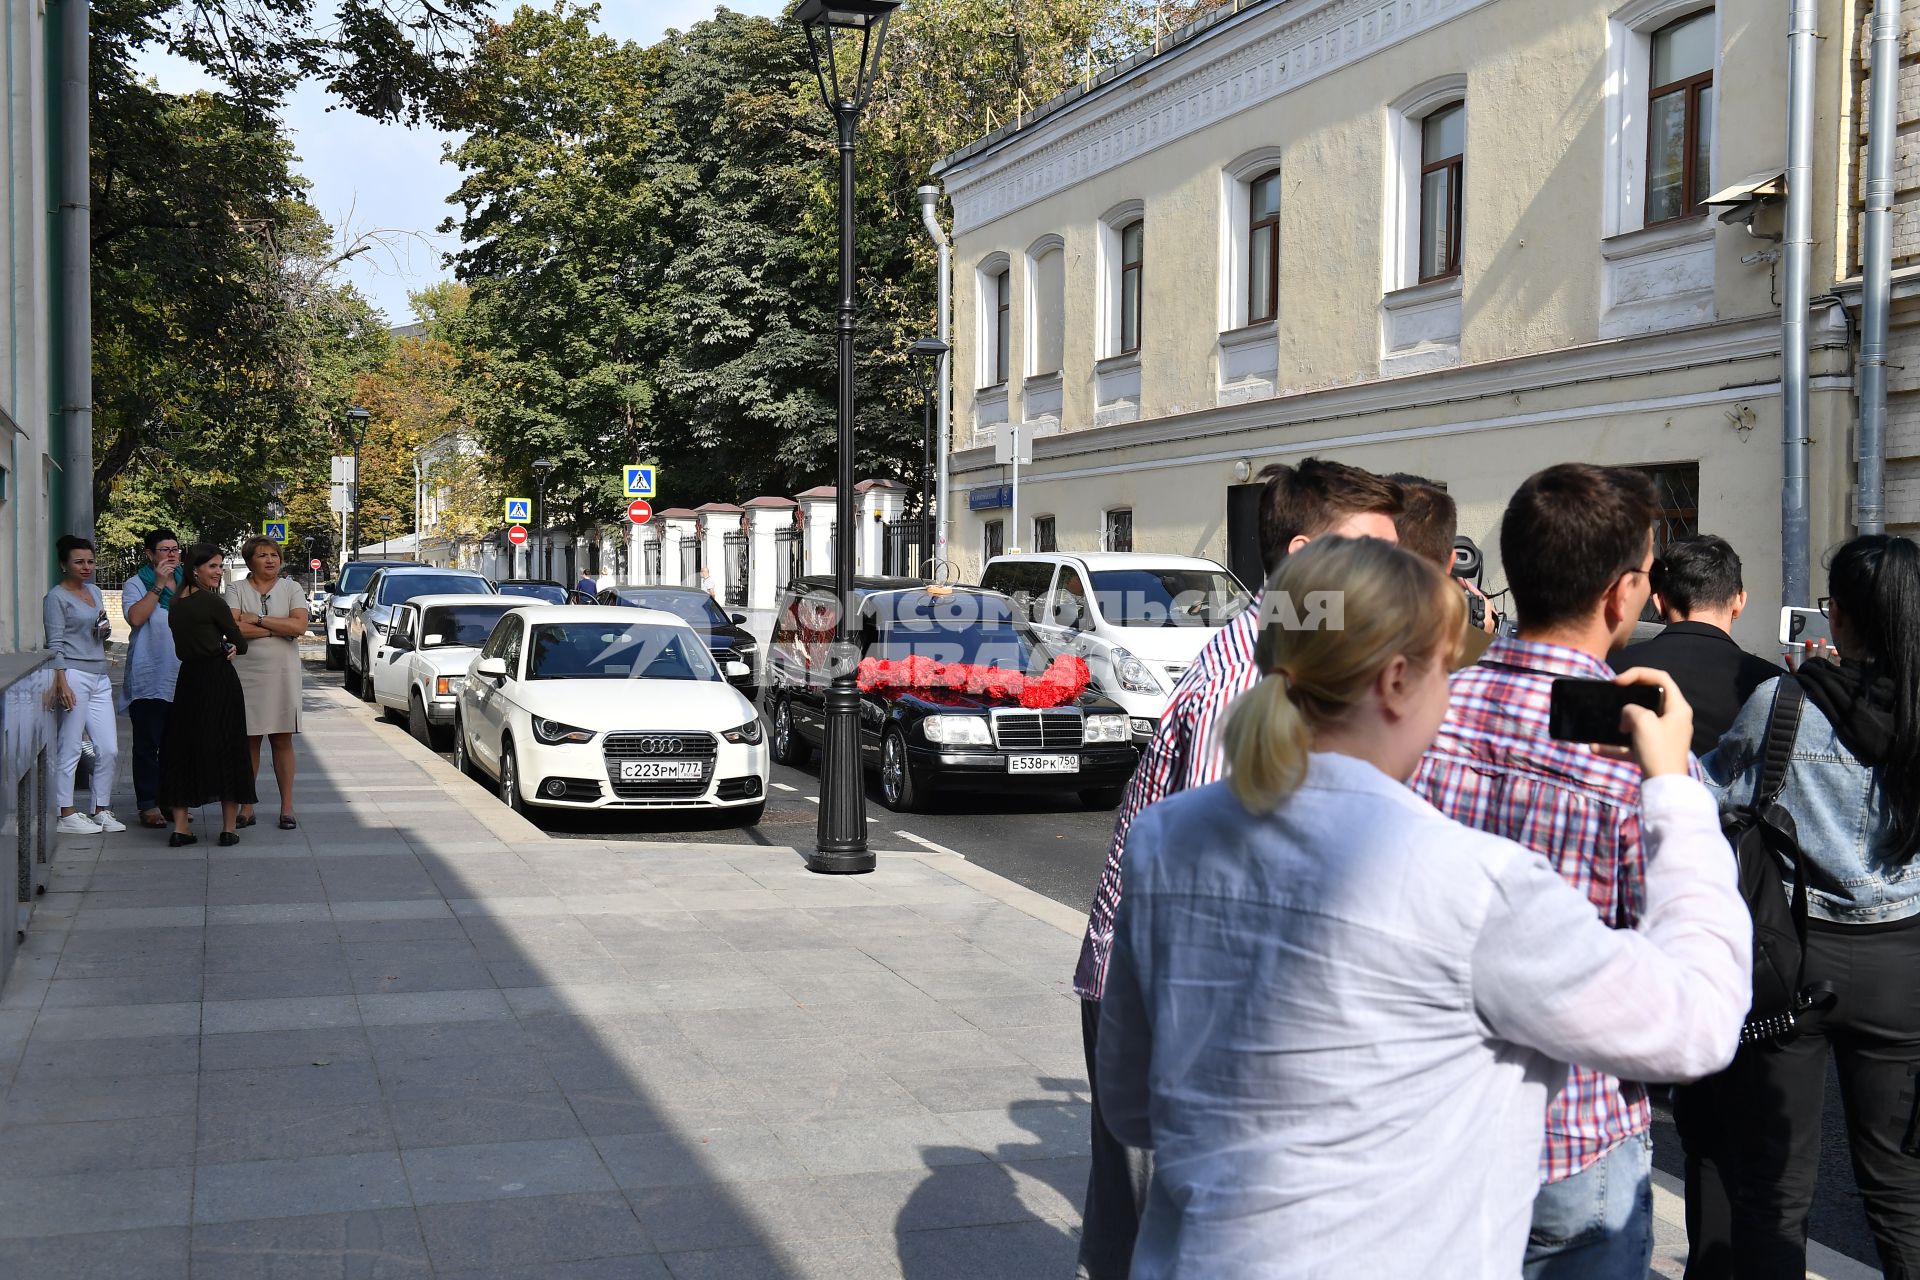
(841, 845)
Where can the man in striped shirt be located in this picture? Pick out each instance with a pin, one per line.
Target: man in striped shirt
(1315, 499)
(1577, 546)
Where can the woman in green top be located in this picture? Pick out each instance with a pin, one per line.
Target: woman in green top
(205, 757)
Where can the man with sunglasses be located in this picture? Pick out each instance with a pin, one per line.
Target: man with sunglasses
(1576, 544)
(1698, 592)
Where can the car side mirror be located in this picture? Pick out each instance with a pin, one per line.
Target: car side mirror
(491, 668)
(331, 588)
(737, 619)
(400, 642)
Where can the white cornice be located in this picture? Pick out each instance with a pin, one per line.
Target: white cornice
(1234, 68)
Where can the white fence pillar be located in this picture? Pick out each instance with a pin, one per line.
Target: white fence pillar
(875, 503)
(766, 517)
(677, 528)
(816, 523)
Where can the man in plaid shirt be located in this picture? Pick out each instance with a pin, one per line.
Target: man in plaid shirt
(1316, 499)
(1577, 547)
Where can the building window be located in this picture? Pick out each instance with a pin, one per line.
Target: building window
(1002, 325)
(1679, 486)
(1443, 146)
(1043, 539)
(1047, 307)
(1263, 247)
(1117, 533)
(1132, 258)
(1680, 119)
(993, 283)
(996, 543)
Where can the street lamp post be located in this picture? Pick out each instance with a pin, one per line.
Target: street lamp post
(930, 351)
(540, 468)
(845, 38)
(357, 419)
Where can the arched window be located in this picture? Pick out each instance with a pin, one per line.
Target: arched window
(1680, 118)
(1443, 171)
(1263, 247)
(1133, 242)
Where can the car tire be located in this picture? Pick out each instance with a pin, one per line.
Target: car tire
(751, 817)
(1103, 797)
(784, 742)
(900, 790)
(423, 729)
(510, 781)
(366, 676)
(336, 657)
(462, 757)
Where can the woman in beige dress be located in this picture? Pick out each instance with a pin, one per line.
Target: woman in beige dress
(272, 613)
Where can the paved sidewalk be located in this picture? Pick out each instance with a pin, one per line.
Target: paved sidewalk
(417, 1037)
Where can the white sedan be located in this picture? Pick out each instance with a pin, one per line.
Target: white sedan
(591, 707)
(418, 672)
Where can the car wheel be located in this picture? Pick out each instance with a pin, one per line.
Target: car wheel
(462, 760)
(353, 679)
(900, 791)
(336, 657)
(786, 747)
(422, 728)
(510, 781)
(366, 676)
(1103, 797)
(751, 817)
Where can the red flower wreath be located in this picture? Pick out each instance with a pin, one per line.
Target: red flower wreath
(1065, 679)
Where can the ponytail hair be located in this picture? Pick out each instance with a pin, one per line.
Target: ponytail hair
(1335, 613)
(1875, 583)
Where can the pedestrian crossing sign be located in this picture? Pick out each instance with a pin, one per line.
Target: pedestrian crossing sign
(640, 482)
(274, 530)
(519, 511)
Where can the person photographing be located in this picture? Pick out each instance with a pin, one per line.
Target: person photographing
(1336, 1016)
(77, 630)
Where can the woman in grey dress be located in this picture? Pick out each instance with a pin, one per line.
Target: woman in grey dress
(272, 613)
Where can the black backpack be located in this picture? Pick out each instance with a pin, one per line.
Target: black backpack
(1764, 841)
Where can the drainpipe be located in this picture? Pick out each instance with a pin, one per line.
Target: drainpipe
(930, 215)
(1869, 505)
(1798, 246)
(76, 303)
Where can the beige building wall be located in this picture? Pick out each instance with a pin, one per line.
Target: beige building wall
(1571, 332)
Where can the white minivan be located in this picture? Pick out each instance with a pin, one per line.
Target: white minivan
(1138, 619)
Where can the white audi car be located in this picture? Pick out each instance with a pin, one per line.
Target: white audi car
(593, 707)
(429, 646)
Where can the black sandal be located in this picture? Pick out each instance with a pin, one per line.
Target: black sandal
(245, 822)
(229, 838)
(180, 839)
(287, 823)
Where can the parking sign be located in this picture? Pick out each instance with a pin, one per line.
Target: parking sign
(640, 482)
(274, 530)
(519, 510)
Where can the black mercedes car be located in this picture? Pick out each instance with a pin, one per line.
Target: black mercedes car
(539, 589)
(726, 636)
(926, 737)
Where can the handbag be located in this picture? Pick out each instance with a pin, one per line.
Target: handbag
(1765, 840)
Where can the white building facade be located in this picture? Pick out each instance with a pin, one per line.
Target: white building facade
(1465, 239)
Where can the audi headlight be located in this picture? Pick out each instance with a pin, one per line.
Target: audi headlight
(448, 686)
(748, 733)
(956, 731)
(1108, 729)
(553, 733)
(1133, 674)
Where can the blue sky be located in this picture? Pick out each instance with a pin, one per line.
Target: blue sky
(369, 177)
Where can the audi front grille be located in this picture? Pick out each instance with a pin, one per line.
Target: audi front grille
(679, 745)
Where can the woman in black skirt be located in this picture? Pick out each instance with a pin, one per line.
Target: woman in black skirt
(205, 755)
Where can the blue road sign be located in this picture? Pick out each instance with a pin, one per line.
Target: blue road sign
(274, 529)
(640, 482)
(519, 510)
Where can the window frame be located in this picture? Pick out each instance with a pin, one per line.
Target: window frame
(1053, 535)
(1268, 225)
(1046, 315)
(1455, 167)
(1109, 519)
(1692, 86)
(1002, 356)
(990, 532)
(1136, 268)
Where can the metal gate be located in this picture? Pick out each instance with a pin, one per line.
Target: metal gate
(733, 562)
(904, 551)
(650, 562)
(787, 552)
(689, 563)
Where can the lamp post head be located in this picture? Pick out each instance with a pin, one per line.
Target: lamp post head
(542, 465)
(357, 419)
(928, 348)
(852, 31)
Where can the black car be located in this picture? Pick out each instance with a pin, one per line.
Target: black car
(537, 589)
(726, 636)
(924, 740)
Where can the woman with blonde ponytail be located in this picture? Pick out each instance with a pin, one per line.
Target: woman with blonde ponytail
(1335, 1015)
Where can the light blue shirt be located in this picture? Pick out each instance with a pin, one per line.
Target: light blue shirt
(1337, 1025)
(152, 665)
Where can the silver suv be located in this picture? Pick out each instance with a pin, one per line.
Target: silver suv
(372, 613)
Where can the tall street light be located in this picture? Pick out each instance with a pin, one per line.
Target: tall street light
(540, 468)
(930, 351)
(845, 38)
(357, 419)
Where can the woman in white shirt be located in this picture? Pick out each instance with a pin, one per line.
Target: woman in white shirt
(1335, 1015)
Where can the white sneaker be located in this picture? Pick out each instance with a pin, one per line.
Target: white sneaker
(107, 821)
(77, 824)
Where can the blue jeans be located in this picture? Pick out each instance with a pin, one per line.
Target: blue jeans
(149, 717)
(1598, 1224)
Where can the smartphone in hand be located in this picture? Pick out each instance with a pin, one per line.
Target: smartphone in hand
(1800, 627)
(1589, 710)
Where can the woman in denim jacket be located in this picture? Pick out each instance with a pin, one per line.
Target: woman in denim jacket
(1853, 788)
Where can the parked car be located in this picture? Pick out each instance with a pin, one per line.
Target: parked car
(589, 707)
(317, 610)
(1138, 619)
(430, 645)
(370, 616)
(923, 741)
(342, 593)
(538, 589)
(732, 645)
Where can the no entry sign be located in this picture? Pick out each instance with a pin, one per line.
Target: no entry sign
(313, 564)
(517, 535)
(639, 511)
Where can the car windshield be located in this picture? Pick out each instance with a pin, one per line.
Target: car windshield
(448, 625)
(695, 608)
(1168, 597)
(405, 586)
(549, 592)
(605, 650)
(354, 575)
(983, 643)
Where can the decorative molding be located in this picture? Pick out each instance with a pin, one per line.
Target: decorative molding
(1042, 398)
(1248, 362)
(1233, 68)
(1116, 390)
(1659, 278)
(989, 411)
(1420, 328)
